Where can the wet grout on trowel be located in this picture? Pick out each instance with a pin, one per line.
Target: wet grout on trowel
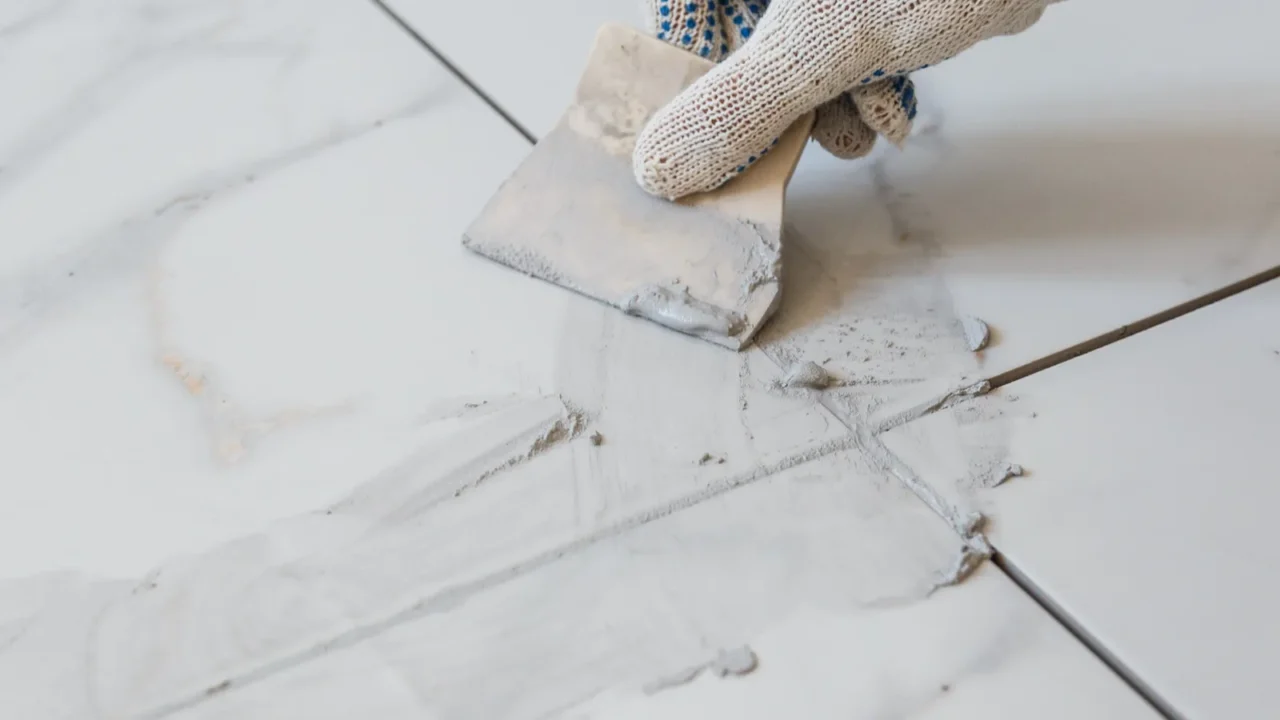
(675, 308)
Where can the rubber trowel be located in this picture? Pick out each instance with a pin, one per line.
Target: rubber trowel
(708, 265)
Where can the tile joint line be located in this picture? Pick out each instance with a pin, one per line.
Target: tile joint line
(1124, 331)
(456, 72)
(1086, 638)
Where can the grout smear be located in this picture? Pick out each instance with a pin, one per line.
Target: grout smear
(976, 333)
(808, 374)
(736, 661)
(566, 428)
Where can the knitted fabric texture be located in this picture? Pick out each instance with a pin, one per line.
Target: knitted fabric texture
(714, 29)
(848, 59)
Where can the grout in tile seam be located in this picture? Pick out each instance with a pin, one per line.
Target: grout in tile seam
(1133, 328)
(456, 72)
(1085, 638)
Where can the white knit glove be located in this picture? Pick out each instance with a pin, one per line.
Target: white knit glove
(848, 59)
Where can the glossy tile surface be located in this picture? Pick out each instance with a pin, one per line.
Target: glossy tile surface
(227, 231)
(1147, 501)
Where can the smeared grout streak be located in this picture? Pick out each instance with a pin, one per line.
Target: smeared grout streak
(967, 525)
(966, 562)
(735, 661)
(451, 596)
(946, 400)
(561, 421)
(808, 374)
(676, 679)
(740, 660)
(452, 408)
(1004, 473)
(566, 428)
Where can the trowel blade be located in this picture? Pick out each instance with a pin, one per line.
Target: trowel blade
(572, 214)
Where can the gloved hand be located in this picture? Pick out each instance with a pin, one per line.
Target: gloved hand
(847, 59)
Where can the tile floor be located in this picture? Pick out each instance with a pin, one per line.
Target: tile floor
(264, 425)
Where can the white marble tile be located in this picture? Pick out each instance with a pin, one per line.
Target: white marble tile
(223, 276)
(1147, 506)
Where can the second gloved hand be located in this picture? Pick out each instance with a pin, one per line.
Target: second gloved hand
(847, 59)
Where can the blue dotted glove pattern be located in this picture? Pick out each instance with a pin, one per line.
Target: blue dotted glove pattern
(715, 28)
(710, 28)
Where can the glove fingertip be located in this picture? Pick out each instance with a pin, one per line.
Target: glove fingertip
(839, 130)
(888, 107)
